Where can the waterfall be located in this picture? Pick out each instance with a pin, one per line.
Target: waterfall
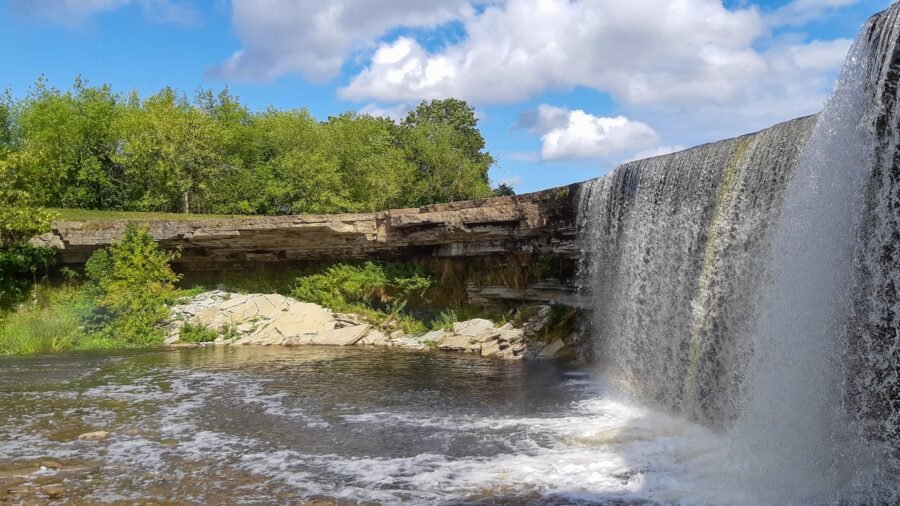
(751, 285)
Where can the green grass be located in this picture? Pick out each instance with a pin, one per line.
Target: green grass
(92, 215)
(50, 324)
(197, 333)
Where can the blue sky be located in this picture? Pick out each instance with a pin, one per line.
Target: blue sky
(565, 89)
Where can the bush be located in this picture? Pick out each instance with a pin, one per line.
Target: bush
(198, 333)
(55, 326)
(134, 283)
(379, 292)
(19, 267)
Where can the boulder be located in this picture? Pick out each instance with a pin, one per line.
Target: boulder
(552, 350)
(473, 328)
(374, 338)
(340, 337)
(489, 349)
(454, 342)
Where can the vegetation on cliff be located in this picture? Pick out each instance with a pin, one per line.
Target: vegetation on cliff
(92, 148)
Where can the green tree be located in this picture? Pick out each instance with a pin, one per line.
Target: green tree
(20, 220)
(169, 152)
(135, 284)
(71, 140)
(442, 139)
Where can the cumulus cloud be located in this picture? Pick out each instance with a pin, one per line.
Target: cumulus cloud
(75, 12)
(687, 50)
(395, 112)
(314, 38)
(568, 134)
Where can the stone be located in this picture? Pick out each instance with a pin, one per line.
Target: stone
(473, 328)
(434, 335)
(454, 342)
(491, 335)
(552, 350)
(99, 435)
(340, 337)
(512, 335)
(374, 338)
(54, 491)
(397, 334)
(490, 349)
(50, 464)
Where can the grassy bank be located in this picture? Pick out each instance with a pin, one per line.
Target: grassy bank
(92, 215)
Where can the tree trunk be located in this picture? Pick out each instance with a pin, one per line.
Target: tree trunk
(187, 203)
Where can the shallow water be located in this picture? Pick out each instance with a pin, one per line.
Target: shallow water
(253, 425)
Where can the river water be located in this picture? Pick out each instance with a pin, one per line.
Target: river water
(259, 425)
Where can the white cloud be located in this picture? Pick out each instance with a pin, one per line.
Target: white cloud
(798, 12)
(688, 50)
(316, 37)
(76, 12)
(512, 182)
(395, 112)
(567, 134)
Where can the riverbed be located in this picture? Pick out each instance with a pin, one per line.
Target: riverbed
(276, 425)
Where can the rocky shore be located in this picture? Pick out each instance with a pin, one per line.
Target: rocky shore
(272, 319)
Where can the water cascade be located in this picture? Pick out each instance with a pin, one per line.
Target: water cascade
(751, 285)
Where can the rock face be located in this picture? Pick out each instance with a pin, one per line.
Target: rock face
(536, 223)
(262, 319)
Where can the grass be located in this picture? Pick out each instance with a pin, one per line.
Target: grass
(197, 333)
(52, 322)
(92, 215)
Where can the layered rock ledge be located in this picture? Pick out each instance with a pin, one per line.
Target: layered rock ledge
(536, 223)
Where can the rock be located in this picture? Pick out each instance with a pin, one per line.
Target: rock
(50, 464)
(490, 348)
(552, 350)
(374, 338)
(473, 328)
(512, 335)
(454, 342)
(397, 334)
(508, 355)
(99, 435)
(434, 335)
(491, 335)
(340, 337)
(54, 491)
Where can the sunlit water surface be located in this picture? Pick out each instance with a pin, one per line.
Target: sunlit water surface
(285, 425)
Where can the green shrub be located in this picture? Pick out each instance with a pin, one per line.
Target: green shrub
(19, 268)
(445, 320)
(378, 292)
(198, 333)
(134, 284)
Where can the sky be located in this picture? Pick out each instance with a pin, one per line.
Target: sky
(565, 90)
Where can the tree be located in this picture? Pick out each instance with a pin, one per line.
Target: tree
(135, 283)
(20, 220)
(441, 138)
(170, 150)
(504, 190)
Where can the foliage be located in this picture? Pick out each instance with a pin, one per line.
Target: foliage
(54, 325)
(197, 333)
(134, 284)
(19, 268)
(91, 148)
(379, 292)
(504, 190)
(445, 320)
